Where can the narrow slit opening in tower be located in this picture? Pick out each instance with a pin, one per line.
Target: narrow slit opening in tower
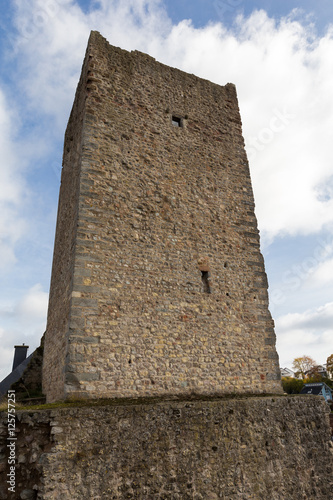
(205, 281)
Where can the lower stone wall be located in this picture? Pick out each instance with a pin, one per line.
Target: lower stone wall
(247, 448)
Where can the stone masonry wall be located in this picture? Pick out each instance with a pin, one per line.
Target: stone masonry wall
(56, 345)
(251, 448)
(147, 208)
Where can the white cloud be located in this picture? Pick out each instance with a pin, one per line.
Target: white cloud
(12, 224)
(52, 37)
(309, 333)
(307, 280)
(284, 83)
(322, 275)
(33, 306)
(284, 76)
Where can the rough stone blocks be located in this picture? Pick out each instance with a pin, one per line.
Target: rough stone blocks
(158, 284)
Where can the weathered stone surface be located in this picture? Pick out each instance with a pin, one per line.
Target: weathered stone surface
(142, 201)
(249, 448)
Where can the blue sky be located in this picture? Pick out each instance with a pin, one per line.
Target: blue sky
(279, 55)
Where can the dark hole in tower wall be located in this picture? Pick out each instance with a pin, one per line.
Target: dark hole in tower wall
(205, 281)
(176, 121)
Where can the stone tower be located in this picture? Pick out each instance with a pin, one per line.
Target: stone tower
(158, 284)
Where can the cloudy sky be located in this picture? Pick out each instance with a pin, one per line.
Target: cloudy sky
(279, 55)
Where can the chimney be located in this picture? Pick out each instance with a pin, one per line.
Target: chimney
(19, 355)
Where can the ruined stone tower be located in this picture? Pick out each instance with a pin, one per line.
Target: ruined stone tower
(159, 289)
(158, 284)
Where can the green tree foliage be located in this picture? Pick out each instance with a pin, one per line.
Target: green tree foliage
(329, 366)
(292, 385)
(329, 382)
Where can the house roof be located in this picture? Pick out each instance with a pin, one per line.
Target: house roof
(285, 371)
(13, 376)
(315, 388)
(312, 389)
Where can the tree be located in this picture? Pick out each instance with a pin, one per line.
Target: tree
(302, 365)
(292, 385)
(329, 366)
(313, 375)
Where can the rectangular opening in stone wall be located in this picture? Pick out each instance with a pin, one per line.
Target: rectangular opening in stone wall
(205, 281)
(176, 121)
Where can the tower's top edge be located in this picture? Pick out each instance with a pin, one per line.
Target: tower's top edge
(98, 40)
